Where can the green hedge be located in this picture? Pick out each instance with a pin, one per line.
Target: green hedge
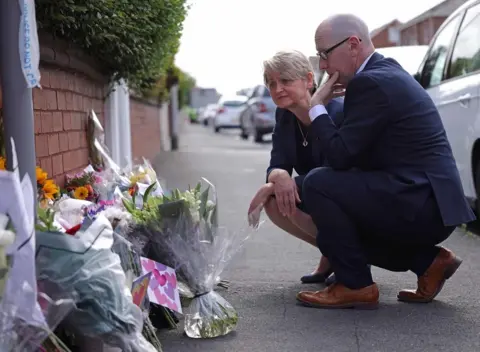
(131, 39)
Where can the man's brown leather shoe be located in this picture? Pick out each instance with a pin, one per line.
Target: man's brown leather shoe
(339, 296)
(431, 282)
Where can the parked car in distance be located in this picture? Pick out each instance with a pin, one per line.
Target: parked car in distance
(450, 73)
(258, 117)
(208, 114)
(228, 112)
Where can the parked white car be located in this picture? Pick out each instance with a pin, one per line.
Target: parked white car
(208, 114)
(228, 112)
(450, 73)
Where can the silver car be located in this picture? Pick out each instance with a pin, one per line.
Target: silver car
(258, 117)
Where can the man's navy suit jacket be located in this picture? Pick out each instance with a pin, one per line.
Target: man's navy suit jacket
(284, 143)
(393, 134)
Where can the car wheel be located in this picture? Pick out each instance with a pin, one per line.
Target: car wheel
(217, 129)
(243, 134)
(258, 138)
(477, 189)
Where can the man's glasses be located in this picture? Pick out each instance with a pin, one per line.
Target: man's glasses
(324, 54)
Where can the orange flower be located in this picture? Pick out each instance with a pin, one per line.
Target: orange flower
(81, 193)
(41, 176)
(3, 163)
(50, 189)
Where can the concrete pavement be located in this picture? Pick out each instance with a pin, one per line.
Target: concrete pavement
(266, 275)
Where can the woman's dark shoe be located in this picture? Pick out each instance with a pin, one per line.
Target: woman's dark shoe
(316, 278)
(330, 280)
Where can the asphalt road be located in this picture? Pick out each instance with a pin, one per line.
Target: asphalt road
(266, 275)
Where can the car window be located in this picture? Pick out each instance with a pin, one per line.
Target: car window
(435, 64)
(233, 103)
(466, 52)
(266, 92)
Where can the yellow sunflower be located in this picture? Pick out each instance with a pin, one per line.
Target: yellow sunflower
(3, 163)
(41, 176)
(81, 193)
(50, 189)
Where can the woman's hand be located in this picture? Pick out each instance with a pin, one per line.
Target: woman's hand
(261, 196)
(286, 194)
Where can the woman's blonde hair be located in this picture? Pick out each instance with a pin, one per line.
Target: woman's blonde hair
(290, 64)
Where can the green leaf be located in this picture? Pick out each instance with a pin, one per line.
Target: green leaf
(148, 191)
(203, 202)
(128, 206)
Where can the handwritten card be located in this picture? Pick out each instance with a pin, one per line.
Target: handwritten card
(140, 290)
(163, 289)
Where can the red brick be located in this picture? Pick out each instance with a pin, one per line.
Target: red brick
(69, 101)
(53, 144)
(78, 120)
(46, 165)
(83, 157)
(67, 121)
(47, 121)
(57, 119)
(68, 161)
(41, 145)
(87, 104)
(56, 78)
(98, 106)
(77, 102)
(37, 122)
(38, 99)
(100, 93)
(50, 97)
(57, 165)
(83, 139)
(60, 180)
(78, 85)
(70, 81)
(73, 140)
(61, 101)
(44, 78)
(63, 141)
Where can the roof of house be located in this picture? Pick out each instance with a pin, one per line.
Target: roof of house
(443, 9)
(385, 26)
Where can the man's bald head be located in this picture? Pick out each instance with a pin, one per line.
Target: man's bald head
(341, 26)
(343, 44)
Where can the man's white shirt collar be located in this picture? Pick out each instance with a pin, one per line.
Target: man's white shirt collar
(365, 63)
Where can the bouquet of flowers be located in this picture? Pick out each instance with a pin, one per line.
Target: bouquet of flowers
(27, 314)
(47, 190)
(183, 233)
(84, 267)
(81, 185)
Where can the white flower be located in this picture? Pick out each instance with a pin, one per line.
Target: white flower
(6, 238)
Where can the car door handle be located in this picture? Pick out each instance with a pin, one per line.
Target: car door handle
(464, 99)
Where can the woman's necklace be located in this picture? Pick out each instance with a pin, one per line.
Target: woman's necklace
(305, 142)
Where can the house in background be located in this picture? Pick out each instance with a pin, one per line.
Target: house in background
(421, 29)
(201, 97)
(386, 35)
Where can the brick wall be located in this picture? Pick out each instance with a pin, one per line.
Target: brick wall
(381, 40)
(145, 129)
(72, 86)
(61, 110)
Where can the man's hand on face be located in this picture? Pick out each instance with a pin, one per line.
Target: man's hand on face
(331, 89)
